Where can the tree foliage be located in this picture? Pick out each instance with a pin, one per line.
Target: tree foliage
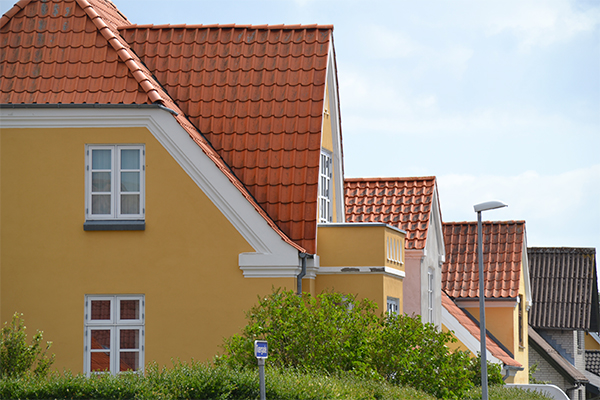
(17, 358)
(335, 332)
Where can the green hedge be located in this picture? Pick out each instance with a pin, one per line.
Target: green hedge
(203, 381)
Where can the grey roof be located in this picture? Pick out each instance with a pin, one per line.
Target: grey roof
(562, 366)
(592, 361)
(564, 288)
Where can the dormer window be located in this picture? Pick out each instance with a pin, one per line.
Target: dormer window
(325, 192)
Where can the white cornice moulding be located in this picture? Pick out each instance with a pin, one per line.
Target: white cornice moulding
(362, 270)
(199, 167)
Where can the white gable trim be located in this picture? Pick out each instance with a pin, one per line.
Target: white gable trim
(436, 224)
(338, 167)
(271, 250)
(463, 334)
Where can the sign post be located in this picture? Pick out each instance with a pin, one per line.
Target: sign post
(261, 352)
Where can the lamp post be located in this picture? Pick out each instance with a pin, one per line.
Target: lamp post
(490, 205)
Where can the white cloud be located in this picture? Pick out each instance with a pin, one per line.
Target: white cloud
(559, 210)
(537, 23)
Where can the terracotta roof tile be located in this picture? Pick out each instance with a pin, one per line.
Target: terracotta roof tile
(564, 288)
(85, 61)
(401, 202)
(502, 256)
(473, 327)
(256, 93)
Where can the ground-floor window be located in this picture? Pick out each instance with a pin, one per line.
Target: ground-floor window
(393, 305)
(114, 333)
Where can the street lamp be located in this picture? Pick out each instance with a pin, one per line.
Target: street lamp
(490, 205)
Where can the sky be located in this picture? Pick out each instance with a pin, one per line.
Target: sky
(500, 100)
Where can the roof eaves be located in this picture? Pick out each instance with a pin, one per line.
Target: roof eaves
(565, 368)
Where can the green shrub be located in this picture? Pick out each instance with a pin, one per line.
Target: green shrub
(494, 372)
(17, 358)
(335, 333)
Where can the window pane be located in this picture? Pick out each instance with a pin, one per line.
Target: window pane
(130, 339)
(100, 310)
(101, 204)
(130, 309)
(100, 361)
(101, 159)
(100, 339)
(130, 204)
(130, 181)
(129, 361)
(130, 159)
(100, 181)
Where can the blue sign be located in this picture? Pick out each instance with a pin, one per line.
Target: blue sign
(261, 349)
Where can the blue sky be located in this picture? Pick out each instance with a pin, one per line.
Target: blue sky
(498, 99)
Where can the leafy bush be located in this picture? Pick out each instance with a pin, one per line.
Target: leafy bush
(494, 372)
(17, 358)
(335, 332)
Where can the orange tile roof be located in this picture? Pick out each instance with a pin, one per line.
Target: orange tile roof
(257, 94)
(70, 51)
(473, 328)
(401, 202)
(502, 256)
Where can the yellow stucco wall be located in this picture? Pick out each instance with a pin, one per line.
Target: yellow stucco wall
(185, 262)
(357, 245)
(375, 287)
(353, 245)
(591, 343)
(502, 321)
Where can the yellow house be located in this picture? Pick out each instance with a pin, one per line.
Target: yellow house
(155, 179)
(507, 283)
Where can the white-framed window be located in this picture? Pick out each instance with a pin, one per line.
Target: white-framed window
(394, 250)
(430, 295)
(325, 192)
(393, 305)
(115, 182)
(114, 333)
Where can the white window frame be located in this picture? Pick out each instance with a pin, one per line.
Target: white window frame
(115, 324)
(325, 187)
(393, 305)
(115, 192)
(430, 291)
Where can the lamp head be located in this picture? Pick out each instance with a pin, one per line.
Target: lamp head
(489, 205)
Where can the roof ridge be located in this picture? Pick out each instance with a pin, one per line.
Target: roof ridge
(511, 221)
(379, 179)
(239, 26)
(123, 52)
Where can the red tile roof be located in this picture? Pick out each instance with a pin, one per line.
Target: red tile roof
(502, 257)
(401, 202)
(474, 330)
(257, 94)
(70, 51)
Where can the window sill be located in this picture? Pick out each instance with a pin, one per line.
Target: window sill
(114, 225)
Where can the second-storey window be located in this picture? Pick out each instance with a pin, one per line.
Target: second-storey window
(325, 193)
(115, 182)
